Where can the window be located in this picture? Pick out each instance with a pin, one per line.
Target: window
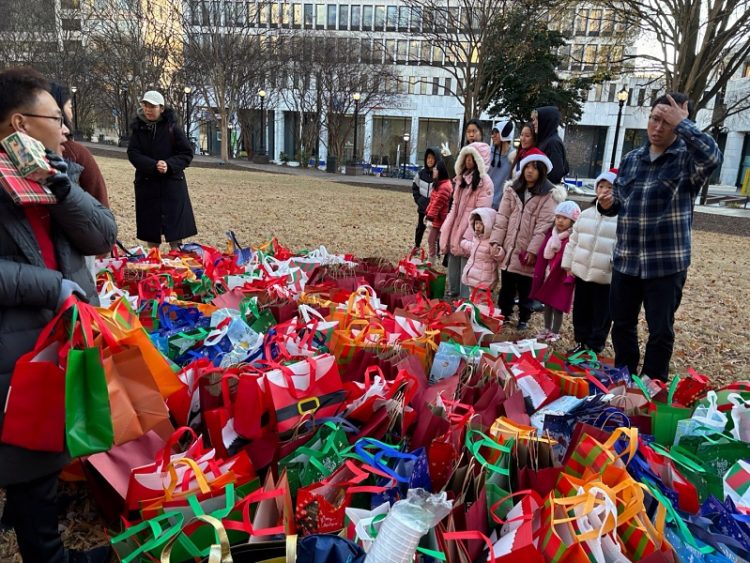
(576, 57)
(308, 15)
(746, 71)
(581, 19)
(403, 18)
(465, 18)
(414, 52)
(412, 85)
(602, 56)
(285, 8)
(392, 18)
(275, 14)
(402, 53)
(595, 22)
(379, 18)
(459, 88)
(566, 23)
(598, 93)
(564, 53)
(296, 16)
(453, 19)
(424, 87)
(70, 4)
(426, 52)
(265, 14)
(608, 23)
(331, 18)
(71, 24)
(378, 50)
(448, 88)
(367, 12)
(641, 96)
(343, 16)
(437, 56)
(320, 16)
(366, 50)
(435, 86)
(612, 92)
(654, 95)
(390, 50)
(589, 57)
(403, 85)
(631, 97)
(356, 17)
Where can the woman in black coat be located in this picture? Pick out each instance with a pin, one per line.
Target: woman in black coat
(160, 152)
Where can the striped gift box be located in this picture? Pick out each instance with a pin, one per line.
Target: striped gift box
(21, 190)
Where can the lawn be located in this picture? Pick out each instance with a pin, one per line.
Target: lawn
(711, 325)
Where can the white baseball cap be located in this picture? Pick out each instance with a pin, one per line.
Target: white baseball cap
(153, 97)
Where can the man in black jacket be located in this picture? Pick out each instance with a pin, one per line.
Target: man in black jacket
(421, 188)
(42, 250)
(546, 120)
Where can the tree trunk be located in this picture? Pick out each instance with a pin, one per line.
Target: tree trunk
(223, 123)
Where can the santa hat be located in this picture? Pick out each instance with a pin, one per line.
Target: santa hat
(505, 128)
(609, 176)
(568, 209)
(533, 155)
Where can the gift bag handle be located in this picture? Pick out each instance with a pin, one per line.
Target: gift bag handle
(219, 553)
(200, 477)
(166, 454)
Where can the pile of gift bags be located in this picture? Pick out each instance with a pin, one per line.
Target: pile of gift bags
(257, 404)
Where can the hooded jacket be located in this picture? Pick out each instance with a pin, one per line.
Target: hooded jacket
(421, 187)
(440, 202)
(466, 199)
(481, 268)
(500, 173)
(549, 142)
(522, 227)
(162, 202)
(589, 253)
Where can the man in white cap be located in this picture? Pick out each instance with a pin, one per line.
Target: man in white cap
(500, 164)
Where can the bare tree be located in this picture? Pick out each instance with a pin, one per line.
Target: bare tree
(322, 82)
(702, 45)
(227, 51)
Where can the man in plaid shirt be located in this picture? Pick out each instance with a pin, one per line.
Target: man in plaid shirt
(653, 197)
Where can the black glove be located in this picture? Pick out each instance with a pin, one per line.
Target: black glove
(59, 184)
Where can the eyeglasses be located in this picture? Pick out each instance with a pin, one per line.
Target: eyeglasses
(59, 118)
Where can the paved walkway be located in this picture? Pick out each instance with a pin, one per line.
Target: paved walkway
(384, 183)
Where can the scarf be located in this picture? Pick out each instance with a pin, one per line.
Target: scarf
(555, 242)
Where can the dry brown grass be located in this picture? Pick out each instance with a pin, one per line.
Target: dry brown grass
(305, 212)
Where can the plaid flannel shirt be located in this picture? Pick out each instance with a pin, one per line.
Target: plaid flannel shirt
(654, 202)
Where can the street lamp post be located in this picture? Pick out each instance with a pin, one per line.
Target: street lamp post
(74, 90)
(124, 138)
(622, 97)
(261, 156)
(356, 97)
(187, 91)
(406, 145)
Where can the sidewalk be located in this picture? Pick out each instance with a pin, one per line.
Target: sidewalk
(382, 183)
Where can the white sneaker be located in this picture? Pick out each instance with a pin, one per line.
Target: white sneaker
(543, 334)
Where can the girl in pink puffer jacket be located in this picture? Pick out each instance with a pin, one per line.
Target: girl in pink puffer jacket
(481, 268)
(473, 189)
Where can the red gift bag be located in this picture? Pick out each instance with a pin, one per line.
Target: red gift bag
(309, 387)
(35, 404)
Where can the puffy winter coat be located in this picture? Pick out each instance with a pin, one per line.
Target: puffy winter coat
(589, 253)
(440, 201)
(29, 292)
(481, 268)
(162, 202)
(421, 187)
(466, 199)
(522, 227)
(549, 142)
(551, 285)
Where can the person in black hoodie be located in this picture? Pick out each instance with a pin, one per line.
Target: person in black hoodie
(421, 189)
(160, 152)
(546, 120)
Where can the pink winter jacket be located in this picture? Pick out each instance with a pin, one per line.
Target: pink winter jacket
(522, 228)
(466, 200)
(481, 269)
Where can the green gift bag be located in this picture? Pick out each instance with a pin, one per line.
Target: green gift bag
(259, 321)
(88, 419)
(496, 474)
(666, 416)
(437, 286)
(706, 481)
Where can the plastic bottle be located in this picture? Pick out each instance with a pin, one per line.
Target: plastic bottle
(406, 523)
